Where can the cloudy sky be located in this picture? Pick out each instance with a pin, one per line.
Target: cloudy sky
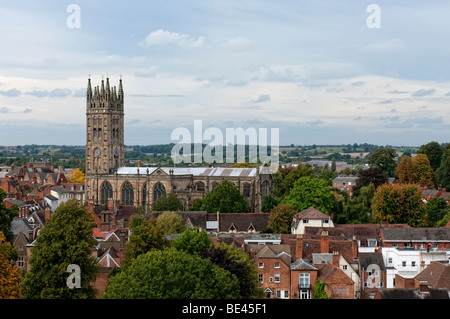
(314, 69)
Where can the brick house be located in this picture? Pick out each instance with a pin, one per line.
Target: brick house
(419, 238)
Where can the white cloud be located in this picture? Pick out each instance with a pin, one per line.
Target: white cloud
(238, 43)
(163, 37)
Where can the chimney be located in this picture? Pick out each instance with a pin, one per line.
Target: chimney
(423, 287)
(252, 254)
(105, 216)
(139, 163)
(47, 213)
(324, 242)
(335, 259)
(354, 247)
(110, 203)
(299, 246)
(30, 236)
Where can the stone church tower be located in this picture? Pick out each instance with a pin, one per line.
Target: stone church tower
(104, 128)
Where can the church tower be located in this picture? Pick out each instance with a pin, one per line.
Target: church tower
(104, 128)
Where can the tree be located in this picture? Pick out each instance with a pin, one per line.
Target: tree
(6, 217)
(9, 273)
(404, 170)
(192, 240)
(280, 218)
(310, 192)
(290, 179)
(169, 202)
(319, 290)
(145, 237)
(433, 151)
(172, 274)
(399, 204)
(423, 174)
(384, 159)
(66, 239)
(268, 203)
(237, 262)
(436, 209)
(373, 175)
(170, 223)
(443, 172)
(225, 198)
(76, 176)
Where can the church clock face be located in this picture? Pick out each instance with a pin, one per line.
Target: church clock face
(97, 152)
(116, 152)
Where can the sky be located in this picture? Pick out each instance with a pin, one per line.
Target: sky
(319, 71)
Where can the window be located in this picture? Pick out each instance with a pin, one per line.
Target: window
(106, 192)
(277, 265)
(200, 186)
(158, 191)
(404, 263)
(303, 280)
(261, 278)
(277, 278)
(372, 242)
(304, 294)
(305, 221)
(20, 262)
(144, 195)
(344, 267)
(260, 265)
(246, 190)
(283, 294)
(271, 279)
(127, 194)
(413, 264)
(390, 260)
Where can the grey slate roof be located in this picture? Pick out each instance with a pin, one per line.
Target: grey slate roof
(416, 234)
(367, 259)
(413, 293)
(302, 264)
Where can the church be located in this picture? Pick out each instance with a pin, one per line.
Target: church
(107, 178)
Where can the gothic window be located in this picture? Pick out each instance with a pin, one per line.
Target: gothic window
(100, 133)
(95, 121)
(214, 185)
(200, 186)
(264, 189)
(95, 133)
(127, 194)
(144, 195)
(158, 191)
(246, 190)
(105, 192)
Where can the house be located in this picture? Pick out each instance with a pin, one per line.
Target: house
(423, 292)
(373, 273)
(337, 284)
(432, 239)
(345, 183)
(435, 275)
(310, 217)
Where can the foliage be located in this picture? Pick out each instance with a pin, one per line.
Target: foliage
(6, 217)
(65, 240)
(192, 240)
(319, 290)
(310, 192)
(76, 176)
(225, 198)
(404, 170)
(399, 204)
(280, 218)
(237, 262)
(169, 202)
(384, 159)
(444, 219)
(293, 176)
(373, 175)
(423, 174)
(436, 208)
(172, 274)
(145, 237)
(170, 223)
(268, 203)
(9, 273)
(443, 172)
(433, 151)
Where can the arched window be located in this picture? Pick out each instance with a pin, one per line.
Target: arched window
(105, 192)
(127, 194)
(264, 189)
(200, 186)
(246, 190)
(144, 195)
(214, 185)
(158, 191)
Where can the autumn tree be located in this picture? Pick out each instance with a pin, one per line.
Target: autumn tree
(76, 176)
(280, 218)
(65, 240)
(170, 223)
(404, 170)
(9, 273)
(423, 173)
(398, 204)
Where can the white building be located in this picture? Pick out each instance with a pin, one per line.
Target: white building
(310, 217)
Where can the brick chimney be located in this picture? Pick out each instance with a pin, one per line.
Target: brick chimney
(324, 242)
(299, 246)
(105, 218)
(354, 247)
(252, 254)
(423, 287)
(47, 214)
(335, 259)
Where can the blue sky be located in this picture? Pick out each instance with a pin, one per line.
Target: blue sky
(313, 69)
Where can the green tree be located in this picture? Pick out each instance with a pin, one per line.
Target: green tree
(170, 223)
(280, 218)
(422, 172)
(404, 170)
(9, 273)
(310, 192)
(293, 176)
(268, 203)
(192, 240)
(399, 204)
(443, 172)
(436, 209)
(237, 262)
(6, 217)
(169, 202)
(66, 239)
(443, 222)
(384, 159)
(319, 290)
(145, 237)
(433, 151)
(225, 198)
(172, 274)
